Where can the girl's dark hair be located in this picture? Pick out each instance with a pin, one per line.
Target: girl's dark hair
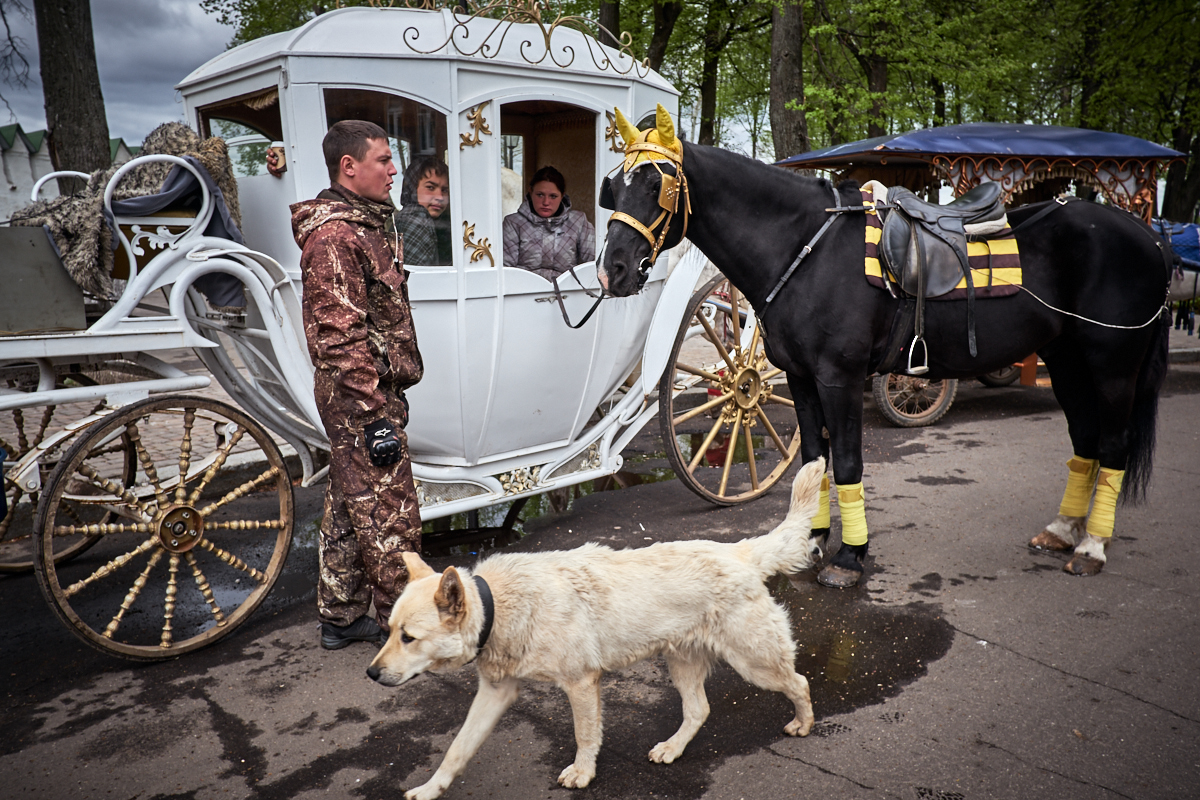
(549, 174)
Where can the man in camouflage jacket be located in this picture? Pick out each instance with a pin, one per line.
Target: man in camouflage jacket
(361, 339)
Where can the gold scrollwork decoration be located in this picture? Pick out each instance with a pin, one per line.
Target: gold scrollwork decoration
(616, 54)
(612, 135)
(479, 248)
(479, 127)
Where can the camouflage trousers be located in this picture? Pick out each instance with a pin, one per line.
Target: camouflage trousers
(371, 517)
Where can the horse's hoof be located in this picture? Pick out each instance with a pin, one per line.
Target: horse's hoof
(1048, 541)
(1083, 565)
(838, 577)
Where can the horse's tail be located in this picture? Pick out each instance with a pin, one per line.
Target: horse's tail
(1144, 417)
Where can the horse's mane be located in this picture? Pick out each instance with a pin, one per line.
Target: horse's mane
(774, 178)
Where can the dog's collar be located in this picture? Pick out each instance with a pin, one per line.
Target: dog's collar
(489, 611)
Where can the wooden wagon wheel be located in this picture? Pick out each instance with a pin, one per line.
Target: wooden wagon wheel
(24, 430)
(913, 402)
(714, 399)
(185, 562)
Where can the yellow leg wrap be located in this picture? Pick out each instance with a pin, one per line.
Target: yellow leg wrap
(852, 504)
(1104, 511)
(821, 520)
(1081, 479)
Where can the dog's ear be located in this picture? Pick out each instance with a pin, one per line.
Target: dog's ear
(417, 568)
(451, 597)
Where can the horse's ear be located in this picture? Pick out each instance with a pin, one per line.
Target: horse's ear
(628, 132)
(665, 126)
(606, 195)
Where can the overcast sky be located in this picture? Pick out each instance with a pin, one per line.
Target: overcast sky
(143, 48)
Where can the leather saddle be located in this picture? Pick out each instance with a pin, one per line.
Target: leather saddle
(925, 245)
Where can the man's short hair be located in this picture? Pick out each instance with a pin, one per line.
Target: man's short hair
(348, 138)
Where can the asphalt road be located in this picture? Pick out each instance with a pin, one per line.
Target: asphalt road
(966, 667)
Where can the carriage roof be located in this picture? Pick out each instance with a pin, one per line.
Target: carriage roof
(401, 33)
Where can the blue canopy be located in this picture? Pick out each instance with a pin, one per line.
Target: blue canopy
(983, 138)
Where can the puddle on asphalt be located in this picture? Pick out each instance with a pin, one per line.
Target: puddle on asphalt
(855, 651)
(717, 451)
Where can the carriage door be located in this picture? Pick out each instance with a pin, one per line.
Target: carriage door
(543, 366)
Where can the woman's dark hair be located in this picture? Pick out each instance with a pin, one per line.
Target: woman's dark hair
(418, 169)
(549, 174)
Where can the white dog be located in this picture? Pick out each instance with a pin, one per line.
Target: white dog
(570, 616)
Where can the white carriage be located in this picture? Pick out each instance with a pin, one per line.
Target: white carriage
(514, 402)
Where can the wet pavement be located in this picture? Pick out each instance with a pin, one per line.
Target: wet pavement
(966, 667)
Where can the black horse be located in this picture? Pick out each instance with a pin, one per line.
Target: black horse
(1101, 269)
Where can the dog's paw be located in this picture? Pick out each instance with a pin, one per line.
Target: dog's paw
(665, 753)
(575, 777)
(428, 791)
(798, 727)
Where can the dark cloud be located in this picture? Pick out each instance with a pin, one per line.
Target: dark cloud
(143, 48)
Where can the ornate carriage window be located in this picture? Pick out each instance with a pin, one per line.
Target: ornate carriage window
(421, 192)
(545, 133)
(248, 124)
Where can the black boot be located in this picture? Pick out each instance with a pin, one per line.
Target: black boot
(845, 568)
(363, 629)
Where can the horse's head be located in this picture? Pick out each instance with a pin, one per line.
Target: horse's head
(650, 204)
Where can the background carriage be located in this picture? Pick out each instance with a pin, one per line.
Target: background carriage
(158, 519)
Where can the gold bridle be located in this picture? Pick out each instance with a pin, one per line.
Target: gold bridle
(673, 187)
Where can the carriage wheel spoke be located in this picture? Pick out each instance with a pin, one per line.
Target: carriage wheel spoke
(783, 401)
(205, 590)
(779, 445)
(218, 462)
(47, 415)
(699, 372)
(132, 595)
(245, 525)
(766, 376)
(169, 601)
(232, 560)
(750, 458)
(84, 529)
(109, 568)
(737, 426)
(129, 498)
(716, 342)
(22, 437)
(185, 454)
(241, 491)
(148, 465)
(700, 409)
(12, 505)
(708, 440)
(736, 312)
(754, 340)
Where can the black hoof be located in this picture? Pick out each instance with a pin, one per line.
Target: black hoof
(845, 569)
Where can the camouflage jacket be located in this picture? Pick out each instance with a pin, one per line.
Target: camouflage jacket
(357, 317)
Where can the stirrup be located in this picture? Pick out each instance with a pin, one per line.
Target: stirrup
(923, 367)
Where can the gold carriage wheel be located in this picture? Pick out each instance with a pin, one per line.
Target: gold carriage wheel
(727, 432)
(913, 402)
(26, 429)
(178, 564)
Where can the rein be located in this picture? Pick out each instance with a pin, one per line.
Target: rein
(837, 212)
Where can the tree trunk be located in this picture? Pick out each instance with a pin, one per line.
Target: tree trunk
(708, 79)
(877, 79)
(610, 20)
(666, 14)
(76, 126)
(1183, 180)
(789, 126)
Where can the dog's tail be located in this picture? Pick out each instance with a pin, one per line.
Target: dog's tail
(789, 548)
